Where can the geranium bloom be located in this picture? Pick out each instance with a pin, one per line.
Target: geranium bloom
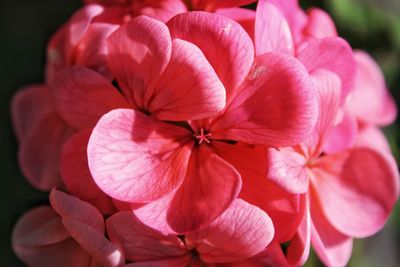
(137, 158)
(69, 234)
(222, 243)
(351, 193)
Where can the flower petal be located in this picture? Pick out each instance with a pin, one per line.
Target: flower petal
(319, 24)
(94, 243)
(172, 262)
(189, 88)
(210, 186)
(40, 151)
(141, 243)
(39, 227)
(276, 106)
(225, 44)
(333, 54)
(245, 17)
(211, 5)
(76, 175)
(242, 231)
(29, 105)
(70, 207)
(272, 32)
(358, 190)
(135, 158)
(138, 52)
(160, 10)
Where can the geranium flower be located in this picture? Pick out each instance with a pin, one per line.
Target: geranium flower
(71, 233)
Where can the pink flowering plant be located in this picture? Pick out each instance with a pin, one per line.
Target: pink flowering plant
(201, 133)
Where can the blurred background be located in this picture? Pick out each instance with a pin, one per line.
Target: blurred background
(26, 26)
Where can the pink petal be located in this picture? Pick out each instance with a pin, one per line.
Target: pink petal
(39, 227)
(160, 10)
(82, 96)
(331, 246)
(95, 243)
(141, 243)
(92, 49)
(276, 106)
(225, 44)
(242, 231)
(358, 190)
(63, 254)
(374, 138)
(210, 186)
(370, 88)
(333, 54)
(211, 5)
(135, 158)
(284, 209)
(138, 52)
(40, 150)
(76, 175)
(172, 262)
(299, 247)
(272, 32)
(70, 207)
(287, 168)
(245, 17)
(319, 24)
(29, 105)
(189, 88)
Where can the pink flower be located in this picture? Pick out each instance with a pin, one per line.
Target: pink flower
(138, 158)
(70, 234)
(239, 233)
(349, 193)
(213, 5)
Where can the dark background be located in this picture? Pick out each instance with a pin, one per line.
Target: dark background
(26, 25)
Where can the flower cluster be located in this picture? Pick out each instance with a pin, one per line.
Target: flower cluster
(199, 133)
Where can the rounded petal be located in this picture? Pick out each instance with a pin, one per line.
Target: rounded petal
(82, 96)
(276, 106)
(211, 5)
(95, 243)
(319, 24)
(357, 190)
(189, 88)
(39, 154)
(223, 41)
(29, 105)
(333, 54)
(245, 17)
(70, 207)
(39, 227)
(242, 231)
(76, 175)
(272, 32)
(138, 53)
(141, 243)
(160, 10)
(135, 158)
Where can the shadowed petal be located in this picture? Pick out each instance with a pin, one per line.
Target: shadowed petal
(276, 106)
(135, 158)
(172, 262)
(189, 89)
(245, 17)
(82, 96)
(211, 5)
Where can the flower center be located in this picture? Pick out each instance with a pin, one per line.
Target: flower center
(203, 136)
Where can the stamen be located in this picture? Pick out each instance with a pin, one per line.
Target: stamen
(203, 137)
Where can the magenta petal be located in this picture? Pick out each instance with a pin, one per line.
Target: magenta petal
(82, 96)
(29, 105)
(135, 158)
(331, 246)
(245, 17)
(272, 32)
(319, 24)
(223, 41)
(40, 151)
(276, 106)
(76, 175)
(211, 5)
(189, 88)
(70, 207)
(333, 54)
(141, 243)
(210, 186)
(138, 52)
(39, 227)
(95, 243)
(287, 168)
(358, 190)
(171, 262)
(242, 231)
